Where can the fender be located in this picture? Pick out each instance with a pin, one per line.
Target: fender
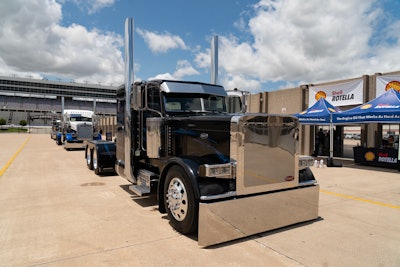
(58, 138)
(69, 137)
(105, 152)
(189, 166)
(105, 149)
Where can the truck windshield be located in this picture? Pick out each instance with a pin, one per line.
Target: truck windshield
(194, 103)
(80, 119)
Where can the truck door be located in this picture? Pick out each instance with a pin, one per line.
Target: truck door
(150, 107)
(153, 109)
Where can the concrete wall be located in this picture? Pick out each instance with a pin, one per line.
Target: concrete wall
(287, 101)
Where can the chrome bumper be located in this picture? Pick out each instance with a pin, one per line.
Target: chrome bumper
(76, 144)
(232, 219)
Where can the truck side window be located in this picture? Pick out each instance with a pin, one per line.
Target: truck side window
(153, 99)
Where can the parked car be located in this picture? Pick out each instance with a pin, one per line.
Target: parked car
(348, 136)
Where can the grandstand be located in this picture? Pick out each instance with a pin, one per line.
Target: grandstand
(40, 101)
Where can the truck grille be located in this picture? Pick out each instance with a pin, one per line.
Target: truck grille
(265, 149)
(84, 131)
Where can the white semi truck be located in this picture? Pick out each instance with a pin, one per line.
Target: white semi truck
(223, 175)
(237, 101)
(77, 126)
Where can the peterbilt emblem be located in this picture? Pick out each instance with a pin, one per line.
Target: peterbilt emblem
(204, 135)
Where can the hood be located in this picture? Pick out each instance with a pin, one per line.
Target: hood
(74, 124)
(203, 137)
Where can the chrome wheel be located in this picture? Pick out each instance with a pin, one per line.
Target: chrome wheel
(89, 159)
(177, 199)
(95, 160)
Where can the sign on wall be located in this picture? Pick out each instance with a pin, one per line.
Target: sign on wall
(386, 82)
(343, 94)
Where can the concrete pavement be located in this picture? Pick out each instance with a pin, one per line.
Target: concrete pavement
(55, 212)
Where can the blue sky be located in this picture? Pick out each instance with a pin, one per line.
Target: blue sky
(264, 45)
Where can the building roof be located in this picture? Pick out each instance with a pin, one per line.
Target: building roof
(27, 87)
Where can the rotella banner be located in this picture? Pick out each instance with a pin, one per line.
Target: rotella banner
(342, 94)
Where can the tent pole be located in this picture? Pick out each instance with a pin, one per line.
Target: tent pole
(331, 141)
(330, 162)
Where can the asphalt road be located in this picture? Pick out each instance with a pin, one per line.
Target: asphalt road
(55, 212)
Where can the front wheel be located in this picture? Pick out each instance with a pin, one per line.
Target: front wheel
(180, 203)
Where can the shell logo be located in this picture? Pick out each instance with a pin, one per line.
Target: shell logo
(369, 156)
(366, 106)
(320, 94)
(393, 85)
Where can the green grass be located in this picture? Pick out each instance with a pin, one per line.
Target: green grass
(13, 130)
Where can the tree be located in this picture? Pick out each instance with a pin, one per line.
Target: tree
(22, 122)
(2, 122)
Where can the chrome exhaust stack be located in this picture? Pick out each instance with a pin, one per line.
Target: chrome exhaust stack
(214, 60)
(129, 79)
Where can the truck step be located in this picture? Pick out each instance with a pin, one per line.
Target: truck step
(140, 190)
(144, 180)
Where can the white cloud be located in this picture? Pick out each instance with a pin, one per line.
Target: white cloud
(286, 42)
(241, 82)
(161, 43)
(33, 41)
(303, 40)
(308, 41)
(93, 6)
(163, 76)
(183, 69)
(203, 59)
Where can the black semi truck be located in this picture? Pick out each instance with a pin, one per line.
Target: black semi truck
(224, 175)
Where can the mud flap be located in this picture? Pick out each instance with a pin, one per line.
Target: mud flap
(232, 219)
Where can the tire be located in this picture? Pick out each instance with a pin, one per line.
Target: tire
(180, 203)
(89, 156)
(59, 141)
(95, 162)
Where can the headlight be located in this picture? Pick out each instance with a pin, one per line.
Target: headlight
(217, 170)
